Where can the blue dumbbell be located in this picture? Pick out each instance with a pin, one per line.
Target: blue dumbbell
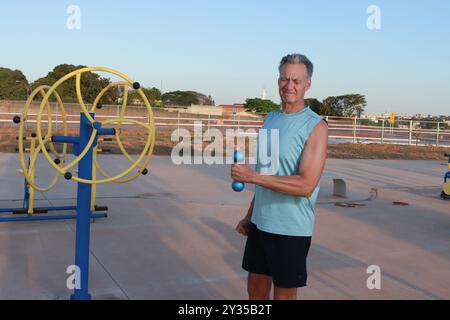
(237, 185)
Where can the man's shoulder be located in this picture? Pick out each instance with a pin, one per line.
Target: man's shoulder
(313, 114)
(271, 115)
(316, 123)
(321, 127)
(313, 119)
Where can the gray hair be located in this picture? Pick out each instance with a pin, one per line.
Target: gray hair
(297, 58)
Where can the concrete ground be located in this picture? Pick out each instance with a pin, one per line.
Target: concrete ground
(170, 235)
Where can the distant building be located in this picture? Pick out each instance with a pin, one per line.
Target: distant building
(224, 110)
(196, 109)
(232, 109)
(206, 110)
(264, 94)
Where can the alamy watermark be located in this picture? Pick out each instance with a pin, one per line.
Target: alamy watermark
(220, 147)
(374, 19)
(74, 279)
(374, 281)
(74, 19)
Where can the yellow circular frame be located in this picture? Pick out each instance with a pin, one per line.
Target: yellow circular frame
(150, 126)
(33, 156)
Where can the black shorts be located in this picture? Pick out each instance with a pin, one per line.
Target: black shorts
(281, 257)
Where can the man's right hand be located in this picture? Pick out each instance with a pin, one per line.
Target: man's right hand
(243, 226)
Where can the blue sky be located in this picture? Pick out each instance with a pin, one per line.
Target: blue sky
(231, 49)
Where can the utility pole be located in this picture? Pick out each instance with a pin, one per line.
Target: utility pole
(26, 86)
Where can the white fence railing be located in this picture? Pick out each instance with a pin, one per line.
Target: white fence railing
(409, 132)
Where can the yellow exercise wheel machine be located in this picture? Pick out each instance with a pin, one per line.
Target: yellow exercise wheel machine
(85, 148)
(446, 187)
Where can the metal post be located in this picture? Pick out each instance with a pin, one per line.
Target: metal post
(27, 86)
(239, 121)
(437, 135)
(26, 198)
(382, 132)
(56, 111)
(31, 172)
(354, 129)
(84, 212)
(209, 119)
(410, 132)
(178, 131)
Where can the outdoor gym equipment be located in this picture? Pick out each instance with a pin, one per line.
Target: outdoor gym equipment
(446, 187)
(85, 152)
(28, 167)
(237, 185)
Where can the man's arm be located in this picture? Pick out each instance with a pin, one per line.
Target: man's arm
(250, 210)
(244, 224)
(310, 169)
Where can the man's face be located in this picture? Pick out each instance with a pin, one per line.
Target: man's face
(293, 83)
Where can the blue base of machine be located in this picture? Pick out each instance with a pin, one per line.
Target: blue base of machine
(49, 217)
(76, 296)
(41, 214)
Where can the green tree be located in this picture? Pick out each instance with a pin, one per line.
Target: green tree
(332, 107)
(348, 105)
(432, 123)
(353, 104)
(13, 85)
(213, 103)
(315, 105)
(260, 106)
(369, 122)
(91, 85)
(153, 95)
(180, 98)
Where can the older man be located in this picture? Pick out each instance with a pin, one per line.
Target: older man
(280, 221)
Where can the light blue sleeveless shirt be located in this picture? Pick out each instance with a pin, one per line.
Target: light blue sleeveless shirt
(275, 212)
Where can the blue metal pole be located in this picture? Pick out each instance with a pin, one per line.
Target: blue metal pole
(84, 213)
(66, 139)
(26, 197)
